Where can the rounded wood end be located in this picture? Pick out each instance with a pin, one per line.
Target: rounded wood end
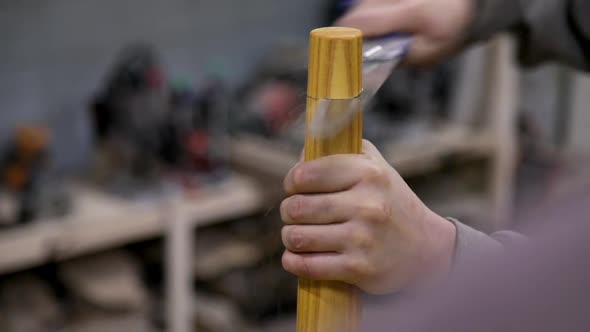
(335, 63)
(336, 33)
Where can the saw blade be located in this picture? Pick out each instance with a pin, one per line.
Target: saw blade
(380, 57)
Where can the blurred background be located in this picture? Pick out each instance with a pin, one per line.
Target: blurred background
(143, 145)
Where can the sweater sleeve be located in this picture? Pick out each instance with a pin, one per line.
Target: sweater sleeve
(471, 245)
(547, 30)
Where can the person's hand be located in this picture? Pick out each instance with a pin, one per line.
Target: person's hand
(438, 26)
(352, 218)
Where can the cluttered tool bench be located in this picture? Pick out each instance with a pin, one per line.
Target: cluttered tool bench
(142, 161)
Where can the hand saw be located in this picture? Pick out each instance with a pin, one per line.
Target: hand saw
(380, 57)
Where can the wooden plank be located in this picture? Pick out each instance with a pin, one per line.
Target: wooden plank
(500, 107)
(238, 196)
(409, 158)
(427, 154)
(27, 246)
(179, 277)
(100, 221)
(262, 156)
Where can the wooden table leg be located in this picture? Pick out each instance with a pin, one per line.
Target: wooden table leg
(179, 239)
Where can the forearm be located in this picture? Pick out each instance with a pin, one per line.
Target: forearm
(546, 29)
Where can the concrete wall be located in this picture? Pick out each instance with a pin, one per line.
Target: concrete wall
(55, 53)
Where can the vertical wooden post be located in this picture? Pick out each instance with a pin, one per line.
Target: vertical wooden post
(179, 291)
(335, 72)
(501, 103)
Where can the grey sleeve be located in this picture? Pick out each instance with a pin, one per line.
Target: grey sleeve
(471, 245)
(557, 30)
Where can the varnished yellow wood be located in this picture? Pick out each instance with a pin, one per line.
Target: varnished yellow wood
(335, 72)
(335, 63)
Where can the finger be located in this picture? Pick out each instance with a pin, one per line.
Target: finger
(385, 18)
(315, 239)
(326, 175)
(323, 266)
(318, 209)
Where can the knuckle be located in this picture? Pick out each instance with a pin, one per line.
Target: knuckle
(356, 269)
(288, 181)
(296, 207)
(374, 173)
(287, 261)
(360, 239)
(293, 238)
(283, 210)
(296, 264)
(305, 268)
(284, 236)
(301, 175)
(371, 211)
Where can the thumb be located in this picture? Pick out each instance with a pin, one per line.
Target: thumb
(381, 19)
(369, 149)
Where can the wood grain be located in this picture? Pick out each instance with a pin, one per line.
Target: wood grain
(335, 72)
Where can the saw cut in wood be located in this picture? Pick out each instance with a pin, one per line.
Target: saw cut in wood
(380, 57)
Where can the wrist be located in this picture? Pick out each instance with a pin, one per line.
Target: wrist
(439, 246)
